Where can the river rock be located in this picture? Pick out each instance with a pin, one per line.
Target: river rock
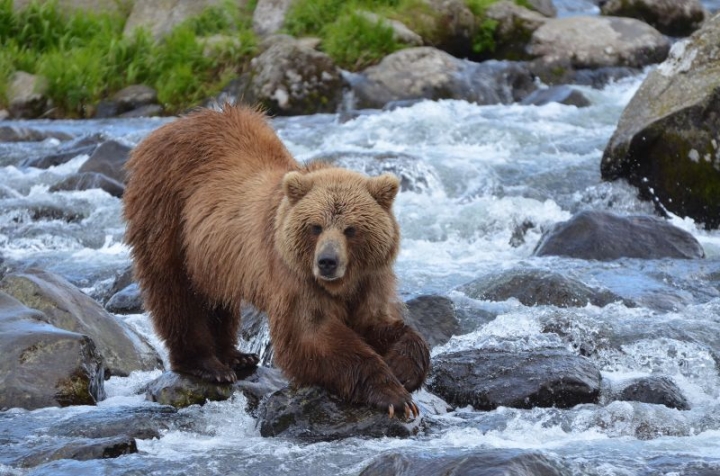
(108, 159)
(66, 307)
(26, 95)
(42, 365)
(487, 379)
(559, 94)
(89, 181)
(27, 134)
(666, 141)
(434, 318)
(537, 287)
(159, 17)
(67, 151)
(127, 100)
(290, 79)
(595, 42)
(515, 27)
(480, 462)
(181, 391)
(544, 7)
(660, 390)
(79, 450)
(311, 414)
(670, 17)
(605, 236)
(259, 384)
(126, 301)
(428, 73)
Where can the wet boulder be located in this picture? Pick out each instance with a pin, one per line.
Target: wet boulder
(66, 307)
(312, 414)
(84, 145)
(108, 159)
(479, 462)
(434, 318)
(43, 365)
(289, 78)
(659, 390)
(670, 17)
(428, 73)
(260, 383)
(82, 449)
(595, 42)
(181, 391)
(605, 236)
(89, 181)
(537, 287)
(487, 379)
(558, 94)
(666, 140)
(126, 301)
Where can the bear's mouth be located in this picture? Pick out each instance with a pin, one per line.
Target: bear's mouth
(329, 278)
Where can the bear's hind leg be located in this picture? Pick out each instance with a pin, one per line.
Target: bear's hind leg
(183, 322)
(225, 326)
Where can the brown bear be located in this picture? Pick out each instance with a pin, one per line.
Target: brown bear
(218, 212)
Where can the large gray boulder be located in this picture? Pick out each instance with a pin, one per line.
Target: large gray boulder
(671, 17)
(27, 95)
(290, 78)
(515, 27)
(595, 42)
(43, 365)
(666, 141)
(66, 307)
(428, 73)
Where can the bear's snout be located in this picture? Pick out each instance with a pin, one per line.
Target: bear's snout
(329, 260)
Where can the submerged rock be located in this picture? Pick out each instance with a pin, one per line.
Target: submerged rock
(537, 287)
(487, 379)
(605, 236)
(89, 181)
(79, 450)
(482, 462)
(312, 414)
(43, 365)
(84, 145)
(666, 142)
(659, 390)
(559, 94)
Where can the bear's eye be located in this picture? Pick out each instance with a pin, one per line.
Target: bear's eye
(350, 231)
(315, 229)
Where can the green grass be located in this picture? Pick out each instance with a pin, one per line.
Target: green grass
(86, 58)
(353, 42)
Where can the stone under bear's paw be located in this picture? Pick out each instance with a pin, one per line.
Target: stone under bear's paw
(393, 398)
(209, 369)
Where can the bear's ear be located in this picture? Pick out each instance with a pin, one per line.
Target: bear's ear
(384, 189)
(296, 186)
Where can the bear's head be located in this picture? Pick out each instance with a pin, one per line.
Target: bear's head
(337, 225)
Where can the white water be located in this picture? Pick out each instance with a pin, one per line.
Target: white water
(478, 172)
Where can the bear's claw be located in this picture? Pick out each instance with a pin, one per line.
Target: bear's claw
(209, 370)
(411, 410)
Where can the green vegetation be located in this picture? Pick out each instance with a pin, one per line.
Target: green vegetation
(85, 57)
(355, 42)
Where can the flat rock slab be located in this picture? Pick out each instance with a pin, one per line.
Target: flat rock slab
(487, 379)
(312, 414)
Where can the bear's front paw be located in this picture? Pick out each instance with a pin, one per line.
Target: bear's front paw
(393, 398)
(409, 360)
(243, 364)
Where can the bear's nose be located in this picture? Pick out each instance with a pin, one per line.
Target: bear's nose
(327, 265)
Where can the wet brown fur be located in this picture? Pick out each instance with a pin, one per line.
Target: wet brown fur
(215, 216)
